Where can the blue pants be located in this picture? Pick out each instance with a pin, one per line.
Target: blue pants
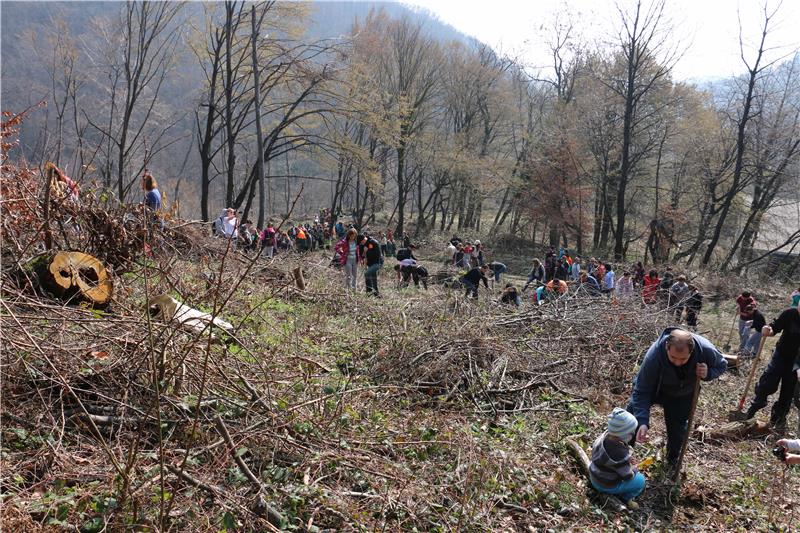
(752, 343)
(744, 333)
(626, 490)
(371, 278)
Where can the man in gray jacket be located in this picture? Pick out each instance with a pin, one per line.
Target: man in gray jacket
(667, 376)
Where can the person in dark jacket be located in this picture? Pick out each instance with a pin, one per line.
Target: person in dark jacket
(667, 376)
(611, 471)
(782, 370)
(589, 284)
(473, 278)
(374, 260)
(510, 296)
(406, 253)
(536, 274)
(694, 303)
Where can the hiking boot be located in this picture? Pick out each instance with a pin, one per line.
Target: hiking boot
(778, 426)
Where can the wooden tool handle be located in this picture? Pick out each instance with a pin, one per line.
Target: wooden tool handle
(752, 372)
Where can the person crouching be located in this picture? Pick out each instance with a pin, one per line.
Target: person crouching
(611, 471)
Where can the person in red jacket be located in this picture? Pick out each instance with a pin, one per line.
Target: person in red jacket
(745, 303)
(348, 255)
(651, 282)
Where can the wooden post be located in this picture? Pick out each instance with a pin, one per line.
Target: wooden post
(299, 280)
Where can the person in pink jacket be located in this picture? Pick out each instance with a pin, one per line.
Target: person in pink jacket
(349, 256)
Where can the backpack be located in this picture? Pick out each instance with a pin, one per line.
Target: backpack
(403, 253)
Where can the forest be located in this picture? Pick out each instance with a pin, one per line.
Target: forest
(393, 126)
(336, 266)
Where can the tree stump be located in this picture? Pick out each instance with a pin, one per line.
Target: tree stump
(74, 276)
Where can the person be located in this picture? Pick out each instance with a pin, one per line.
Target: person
(348, 254)
(625, 286)
(694, 303)
(152, 196)
(589, 284)
(638, 274)
(455, 240)
(575, 270)
(782, 370)
(510, 296)
(667, 281)
(556, 288)
(609, 279)
(650, 286)
(743, 302)
(230, 224)
(550, 263)
(611, 471)
(756, 325)
(408, 269)
(406, 240)
(339, 229)
(391, 248)
(473, 278)
(372, 256)
(268, 241)
(792, 447)
(477, 254)
(667, 376)
(497, 269)
(301, 239)
(406, 253)
(536, 274)
(795, 298)
(451, 253)
(563, 269)
(600, 272)
(678, 292)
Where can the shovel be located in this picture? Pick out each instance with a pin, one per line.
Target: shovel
(727, 347)
(676, 474)
(737, 415)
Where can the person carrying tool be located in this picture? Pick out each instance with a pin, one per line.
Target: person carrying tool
(782, 370)
(667, 377)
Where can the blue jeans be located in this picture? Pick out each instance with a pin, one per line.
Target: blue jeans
(744, 333)
(751, 345)
(626, 490)
(371, 278)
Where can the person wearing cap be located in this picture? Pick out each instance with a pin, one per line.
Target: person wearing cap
(611, 471)
(667, 376)
(782, 371)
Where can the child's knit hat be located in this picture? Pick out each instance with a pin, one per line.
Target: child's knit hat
(621, 423)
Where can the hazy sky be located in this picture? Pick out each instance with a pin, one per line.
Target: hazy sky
(708, 29)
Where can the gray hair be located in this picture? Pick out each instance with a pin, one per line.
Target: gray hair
(681, 338)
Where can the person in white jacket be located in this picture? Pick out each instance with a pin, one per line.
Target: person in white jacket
(793, 450)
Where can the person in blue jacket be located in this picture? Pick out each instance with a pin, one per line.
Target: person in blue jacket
(667, 376)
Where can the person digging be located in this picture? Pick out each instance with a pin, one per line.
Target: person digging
(782, 371)
(667, 377)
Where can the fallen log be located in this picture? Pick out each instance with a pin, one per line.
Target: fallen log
(732, 430)
(168, 308)
(72, 277)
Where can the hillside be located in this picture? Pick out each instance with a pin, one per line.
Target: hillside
(328, 410)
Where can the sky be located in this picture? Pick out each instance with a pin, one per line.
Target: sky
(706, 31)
